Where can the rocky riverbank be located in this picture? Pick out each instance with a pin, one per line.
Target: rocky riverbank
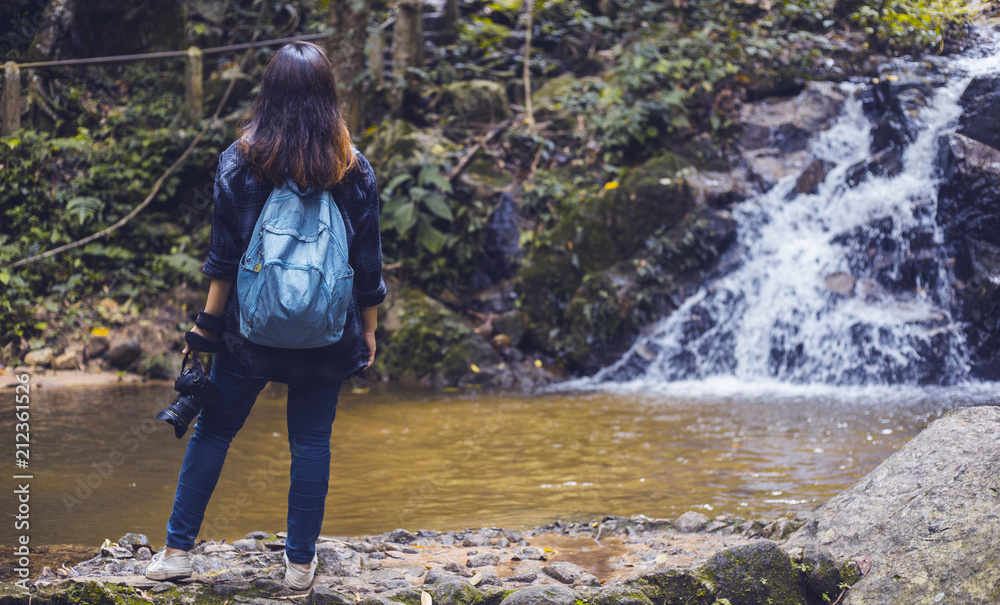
(634, 561)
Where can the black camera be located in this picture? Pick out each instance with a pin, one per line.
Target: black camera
(195, 391)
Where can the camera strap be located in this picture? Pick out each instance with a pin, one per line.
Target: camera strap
(199, 343)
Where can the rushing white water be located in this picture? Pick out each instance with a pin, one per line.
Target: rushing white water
(776, 319)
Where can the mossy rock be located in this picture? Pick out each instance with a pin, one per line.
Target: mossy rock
(474, 101)
(755, 573)
(397, 147)
(423, 339)
(604, 230)
(674, 587)
(606, 313)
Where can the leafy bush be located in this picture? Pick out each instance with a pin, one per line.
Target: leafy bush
(909, 24)
(55, 190)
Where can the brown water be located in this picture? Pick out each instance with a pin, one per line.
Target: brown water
(102, 466)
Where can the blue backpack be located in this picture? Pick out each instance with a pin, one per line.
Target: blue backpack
(294, 282)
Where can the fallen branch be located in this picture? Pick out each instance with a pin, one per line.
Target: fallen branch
(156, 186)
(471, 153)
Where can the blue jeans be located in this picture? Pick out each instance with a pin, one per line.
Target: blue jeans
(310, 414)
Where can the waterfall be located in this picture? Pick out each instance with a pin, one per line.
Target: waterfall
(845, 286)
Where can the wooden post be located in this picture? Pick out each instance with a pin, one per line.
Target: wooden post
(377, 57)
(407, 47)
(194, 89)
(450, 14)
(11, 98)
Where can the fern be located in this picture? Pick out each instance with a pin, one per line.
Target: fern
(184, 264)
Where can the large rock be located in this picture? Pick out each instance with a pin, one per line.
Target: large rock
(927, 517)
(424, 340)
(601, 232)
(969, 212)
(756, 573)
(474, 101)
(980, 119)
(777, 130)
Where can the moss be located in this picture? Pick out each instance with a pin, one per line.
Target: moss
(674, 587)
(755, 573)
(604, 230)
(424, 340)
(475, 101)
(96, 593)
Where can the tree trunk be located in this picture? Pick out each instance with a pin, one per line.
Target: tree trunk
(55, 29)
(407, 47)
(346, 48)
(450, 14)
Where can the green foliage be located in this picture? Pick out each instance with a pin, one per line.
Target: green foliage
(664, 79)
(909, 24)
(431, 237)
(57, 189)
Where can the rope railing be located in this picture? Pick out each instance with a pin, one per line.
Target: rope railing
(192, 58)
(10, 108)
(169, 54)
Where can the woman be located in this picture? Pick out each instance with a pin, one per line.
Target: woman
(292, 131)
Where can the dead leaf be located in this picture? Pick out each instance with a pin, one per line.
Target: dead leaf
(475, 579)
(661, 559)
(425, 598)
(864, 564)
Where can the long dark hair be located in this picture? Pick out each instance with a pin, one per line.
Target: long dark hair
(294, 129)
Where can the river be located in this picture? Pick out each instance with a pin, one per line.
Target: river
(102, 466)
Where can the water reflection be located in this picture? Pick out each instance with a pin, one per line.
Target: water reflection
(103, 466)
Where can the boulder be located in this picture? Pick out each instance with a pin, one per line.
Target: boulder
(96, 347)
(926, 517)
(788, 123)
(422, 339)
(501, 248)
(718, 189)
(969, 212)
(691, 521)
(39, 357)
(542, 595)
(125, 353)
(68, 360)
(601, 232)
(474, 101)
(564, 571)
(777, 130)
(980, 119)
(760, 572)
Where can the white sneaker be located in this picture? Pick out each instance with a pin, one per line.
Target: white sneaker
(298, 578)
(165, 568)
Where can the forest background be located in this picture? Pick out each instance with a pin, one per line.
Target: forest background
(534, 157)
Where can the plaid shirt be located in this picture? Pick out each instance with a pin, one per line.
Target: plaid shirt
(239, 199)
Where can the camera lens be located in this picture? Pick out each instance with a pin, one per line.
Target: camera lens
(180, 413)
(195, 390)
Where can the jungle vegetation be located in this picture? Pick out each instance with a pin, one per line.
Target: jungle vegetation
(435, 94)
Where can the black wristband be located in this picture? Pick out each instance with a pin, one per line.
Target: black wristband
(199, 343)
(212, 323)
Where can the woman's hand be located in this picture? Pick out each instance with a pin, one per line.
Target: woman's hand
(206, 333)
(370, 345)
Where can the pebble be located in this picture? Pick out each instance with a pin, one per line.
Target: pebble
(563, 571)
(526, 577)
(690, 522)
(531, 553)
(144, 553)
(246, 545)
(401, 536)
(483, 560)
